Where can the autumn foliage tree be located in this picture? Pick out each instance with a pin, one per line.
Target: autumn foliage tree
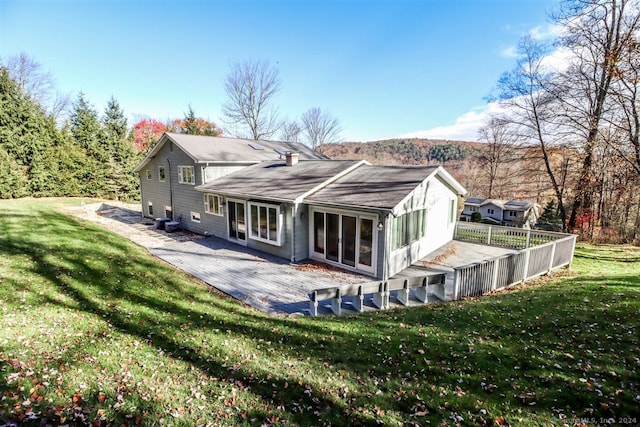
(193, 125)
(146, 132)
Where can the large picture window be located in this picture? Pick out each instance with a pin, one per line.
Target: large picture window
(264, 222)
(185, 175)
(213, 204)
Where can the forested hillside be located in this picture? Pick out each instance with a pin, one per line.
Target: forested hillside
(517, 171)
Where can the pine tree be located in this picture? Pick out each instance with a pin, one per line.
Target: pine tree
(86, 132)
(25, 130)
(13, 180)
(190, 123)
(121, 182)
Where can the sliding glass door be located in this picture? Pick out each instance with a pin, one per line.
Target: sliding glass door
(347, 239)
(237, 222)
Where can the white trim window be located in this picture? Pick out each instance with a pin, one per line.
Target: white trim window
(195, 216)
(213, 204)
(149, 174)
(150, 208)
(186, 175)
(161, 174)
(265, 223)
(408, 228)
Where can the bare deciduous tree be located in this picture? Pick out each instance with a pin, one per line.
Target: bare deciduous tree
(290, 131)
(37, 84)
(320, 128)
(250, 88)
(497, 153)
(597, 33)
(527, 94)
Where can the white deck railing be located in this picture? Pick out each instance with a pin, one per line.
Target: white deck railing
(539, 253)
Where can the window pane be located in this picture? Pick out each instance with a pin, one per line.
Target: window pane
(333, 229)
(417, 226)
(254, 221)
(273, 225)
(241, 222)
(349, 240)
(366, 242)
(263, 222)
(318, 232)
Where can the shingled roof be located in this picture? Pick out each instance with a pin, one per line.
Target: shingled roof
(344, 183)
(380, 187)
(215, 149)
(276, 181)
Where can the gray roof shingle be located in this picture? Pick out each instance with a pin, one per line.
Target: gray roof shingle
(382, 187)
(212, 149)
(276, 181)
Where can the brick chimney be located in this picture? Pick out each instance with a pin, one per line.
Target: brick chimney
(292, 158)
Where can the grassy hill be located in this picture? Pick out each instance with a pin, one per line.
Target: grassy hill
(95, 330)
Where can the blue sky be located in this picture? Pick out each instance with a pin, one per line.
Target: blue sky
(383, 68)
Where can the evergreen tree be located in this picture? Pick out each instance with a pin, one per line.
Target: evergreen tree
(550, 212)
(13, 180)
(25, 130)
(65, 166)
(114, 121)
(121, 181)
(86, 132)
(190, 123)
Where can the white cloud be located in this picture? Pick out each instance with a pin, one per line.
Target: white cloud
(509, 52)
(465, 127)
(546, 32)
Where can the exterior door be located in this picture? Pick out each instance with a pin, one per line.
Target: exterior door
(349, 240)
(344, 239)
(237, 221)
(333, 237)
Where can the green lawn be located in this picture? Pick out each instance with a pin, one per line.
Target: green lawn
(94, 329)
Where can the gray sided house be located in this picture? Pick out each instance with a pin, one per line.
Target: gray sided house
(178, 163)
(289, 201)
(511, 213)
(375, 220)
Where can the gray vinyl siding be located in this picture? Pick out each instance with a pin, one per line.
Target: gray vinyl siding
(185, 198)
(302, 233)
(284, 250)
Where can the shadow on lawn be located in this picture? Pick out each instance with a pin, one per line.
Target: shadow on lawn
(426, 362)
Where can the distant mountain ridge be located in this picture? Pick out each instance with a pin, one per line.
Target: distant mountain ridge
(410, 151)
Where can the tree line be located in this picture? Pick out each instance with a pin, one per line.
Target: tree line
(52, 145)
(575, 100)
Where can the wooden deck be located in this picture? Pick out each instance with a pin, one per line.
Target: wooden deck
(268, 283)
(272, 284)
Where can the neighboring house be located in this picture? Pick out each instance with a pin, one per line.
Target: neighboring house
(375, 220)
(510, 213)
